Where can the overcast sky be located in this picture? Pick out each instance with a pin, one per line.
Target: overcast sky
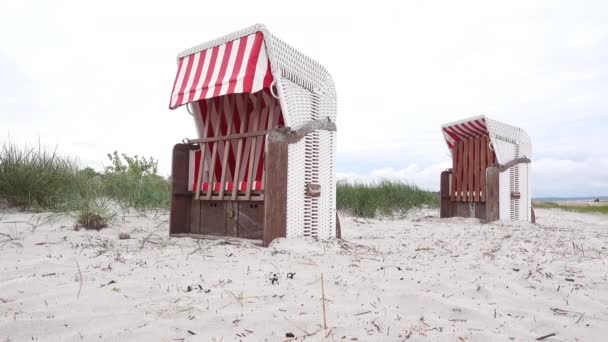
(93, 77)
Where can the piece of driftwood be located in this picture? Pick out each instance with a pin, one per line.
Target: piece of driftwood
(504, 167)
(309, 127)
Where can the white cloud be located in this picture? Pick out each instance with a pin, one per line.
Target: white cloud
(556, 177)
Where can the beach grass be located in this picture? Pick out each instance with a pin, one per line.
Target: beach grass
(385, 197)
(580, 208)
(39, 179)
(35, 177)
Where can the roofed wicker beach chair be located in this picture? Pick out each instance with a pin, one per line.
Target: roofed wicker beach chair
(263, 164)
(489, 178)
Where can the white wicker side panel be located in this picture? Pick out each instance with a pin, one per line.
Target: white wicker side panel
(506, 179)
(524, 190)
(307, 93)
(512, 142)
(327, 179)
(295, 97)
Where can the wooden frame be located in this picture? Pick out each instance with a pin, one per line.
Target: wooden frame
(259, 216)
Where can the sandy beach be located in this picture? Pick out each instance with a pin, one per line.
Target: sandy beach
(412, 278)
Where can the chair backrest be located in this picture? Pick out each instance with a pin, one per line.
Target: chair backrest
(230, 115)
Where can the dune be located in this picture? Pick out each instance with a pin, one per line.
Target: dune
(412, 278)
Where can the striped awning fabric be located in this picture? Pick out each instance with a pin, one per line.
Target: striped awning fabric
(238, 66)
(469, 128)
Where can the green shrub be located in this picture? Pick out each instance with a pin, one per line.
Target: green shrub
(134, 182)
(386, 197)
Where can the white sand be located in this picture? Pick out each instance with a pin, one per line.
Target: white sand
(417, 278)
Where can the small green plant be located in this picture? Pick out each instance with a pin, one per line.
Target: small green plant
(385, 197)
(134, 182)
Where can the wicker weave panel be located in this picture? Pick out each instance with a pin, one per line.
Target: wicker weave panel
(512, 142)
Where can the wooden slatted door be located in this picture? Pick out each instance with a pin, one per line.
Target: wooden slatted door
(470, 159)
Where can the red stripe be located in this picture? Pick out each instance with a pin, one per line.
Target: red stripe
(237, 64)
(180, 97)
(214, 53)
(252, 63)
(467, 132)
(481, 126)
(197, 75)
(452, 135)
(268, 76)
(458, 131)
(179, 68)
(220, 76)
(450, 145)
(473, 128)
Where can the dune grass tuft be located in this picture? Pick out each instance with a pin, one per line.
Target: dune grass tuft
(35, 177)
(386, 197)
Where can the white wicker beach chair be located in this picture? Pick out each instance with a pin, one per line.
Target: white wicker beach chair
(265, 115)
(490, 171)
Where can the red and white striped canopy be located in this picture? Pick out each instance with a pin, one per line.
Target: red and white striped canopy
(469, 128)
(238, 66)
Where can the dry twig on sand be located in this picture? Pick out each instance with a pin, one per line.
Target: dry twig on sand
(545, 336)
(10, 239)
(323, 298)
(80, 277)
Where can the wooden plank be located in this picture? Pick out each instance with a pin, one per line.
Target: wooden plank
(275, 210)
(492, 198)
(211, 180)
(239, 156)
(213, 218)
(180, 204)
(195, 217)
(471, 169)
(476, 170)
(251, 220)
(459, 172)
(444, 194)
(483, 165)
(252, 156)
(225, 166)
(454, 166)
(465, 171)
